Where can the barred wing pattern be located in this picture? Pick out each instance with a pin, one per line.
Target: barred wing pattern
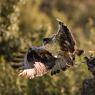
(66, 40)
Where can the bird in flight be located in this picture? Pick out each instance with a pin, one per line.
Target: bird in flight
(57, 53)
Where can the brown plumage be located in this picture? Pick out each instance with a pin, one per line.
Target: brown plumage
(66, 40)
(39, 60)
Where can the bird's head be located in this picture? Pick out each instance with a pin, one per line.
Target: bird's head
(49, 40)
(46, 40)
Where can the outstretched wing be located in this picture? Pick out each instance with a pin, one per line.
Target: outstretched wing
(32, 55)
(38, 61)
(39, 54)
(65, 38)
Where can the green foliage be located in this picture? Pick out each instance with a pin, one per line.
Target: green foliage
(24, 23)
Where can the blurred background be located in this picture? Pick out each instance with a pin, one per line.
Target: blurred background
(24, 23)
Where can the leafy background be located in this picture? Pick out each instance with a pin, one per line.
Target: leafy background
(24, 23)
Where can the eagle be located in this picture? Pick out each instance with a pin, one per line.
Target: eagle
(57, 53)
